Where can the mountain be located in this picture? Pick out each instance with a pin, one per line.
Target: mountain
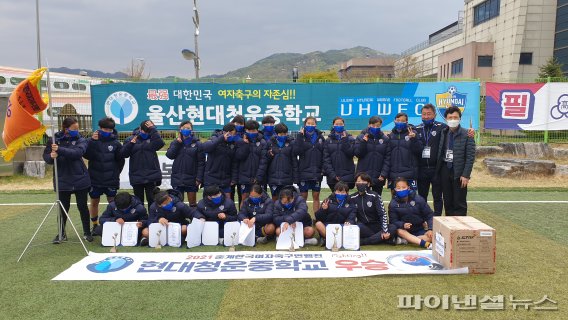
(279, 65)
(91, 73)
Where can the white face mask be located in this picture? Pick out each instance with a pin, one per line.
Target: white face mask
(453, 123)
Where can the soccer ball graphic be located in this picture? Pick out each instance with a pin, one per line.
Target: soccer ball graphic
(452, 90)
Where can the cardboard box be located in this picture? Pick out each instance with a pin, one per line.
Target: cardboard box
(464, 242)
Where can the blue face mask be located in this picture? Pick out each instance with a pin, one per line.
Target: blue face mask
(339, 129)
(125, 211)
(169, 206)
(288, 205)
(231, 138)
(252, 136)
(402, 193)
(144, 135)
(374, 131)
(255, 200)
(185, 132)
(428, 122)
(73, 133)
(104, 134)
(340, 197)
(310, 129)
(217, 199)
(400, 126)
(281, 139)
(268, 129)
(240, 128)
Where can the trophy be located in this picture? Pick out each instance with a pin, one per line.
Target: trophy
(292, 241)
(334, 248)
(113, 249)
(233, 238)
(159, 245)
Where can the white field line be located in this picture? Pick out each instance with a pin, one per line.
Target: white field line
(309, 201)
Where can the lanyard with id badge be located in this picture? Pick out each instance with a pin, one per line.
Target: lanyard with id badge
(449, 151)
(427, 148)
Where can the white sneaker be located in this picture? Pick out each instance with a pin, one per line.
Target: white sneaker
(429, 247)
(311, 242)
(400, 240)
(221, 241)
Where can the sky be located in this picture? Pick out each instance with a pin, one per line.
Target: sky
(106, 35)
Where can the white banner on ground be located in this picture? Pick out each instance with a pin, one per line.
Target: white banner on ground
(251, 265)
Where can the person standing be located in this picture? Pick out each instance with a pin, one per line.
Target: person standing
(456, 156)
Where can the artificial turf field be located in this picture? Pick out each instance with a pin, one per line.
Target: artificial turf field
(532, 254)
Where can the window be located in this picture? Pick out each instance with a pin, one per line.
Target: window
(485, 61)
(2, 80)
(485, 11)
(60, 85)
(15, 81)
(525, 58)
(457, 67)
(79, 86)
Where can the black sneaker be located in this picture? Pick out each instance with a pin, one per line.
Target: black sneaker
(88, 237)
(58, 240)
(144, 242)
(94, 230)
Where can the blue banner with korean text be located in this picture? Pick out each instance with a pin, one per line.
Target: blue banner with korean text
(210, 106)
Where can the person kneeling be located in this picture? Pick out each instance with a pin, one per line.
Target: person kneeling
(292, 208)
(257, 210)
(336, 209)
(409, 212)
(167, 207)
(216, 206)
(124, 208)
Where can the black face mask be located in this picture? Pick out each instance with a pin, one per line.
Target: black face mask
(361, 187)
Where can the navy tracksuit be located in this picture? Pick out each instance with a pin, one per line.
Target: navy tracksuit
(262, 212)
(373, 157)
(279, 166)
(135, 212)
(372, 217)
(309, 149)
(338, 159)
(220, 161)
(337, 213)
(415, 211)
(181, 213)
(404, 155)
(189, 162)
(105, 161)
(207, 210)
(298, 213)
(430, 138)
(248, 157)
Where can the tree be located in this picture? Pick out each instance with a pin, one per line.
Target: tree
(136, 71)
(552, 69)
(321, 76)
(408, 68)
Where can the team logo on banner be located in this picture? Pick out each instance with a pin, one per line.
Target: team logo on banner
(451, 98)
(110, 264)
(413, 261)
(122, 107)
(560, 110)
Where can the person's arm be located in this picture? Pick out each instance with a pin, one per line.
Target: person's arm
(47, 152)
(360, 146)
(107, 215)
(230, 211)
(200, 165)
(243, 213)
(90, 152)
(210, 145)
(386, 160)
(384, 218)
(127, 147)
(198, 213)
(428, 213)
(352, 215)
(327, 164)
(156, 141)
(263, 166)
(300, 212)
(277, 214)
(469, 157)
(394, 219)
(295, 168)
(174, 149)
(266, 217)
(347, 143)
(242, 150)
(75, 153)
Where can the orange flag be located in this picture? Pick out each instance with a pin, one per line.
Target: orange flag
(21, 128)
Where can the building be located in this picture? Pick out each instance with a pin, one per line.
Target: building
(367, 68)
(498, 40)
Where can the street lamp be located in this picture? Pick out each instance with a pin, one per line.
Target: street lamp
(194, 55)
(294, 74)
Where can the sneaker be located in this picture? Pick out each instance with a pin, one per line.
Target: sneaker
(262, 240)
(88, 237)
(221, 241)
(311, 242)
(144, 242)
(58, 240)
(400, 240)
(429, 247)
(321, 242)
(94, 230)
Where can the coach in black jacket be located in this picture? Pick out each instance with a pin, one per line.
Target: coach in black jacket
(455, 162)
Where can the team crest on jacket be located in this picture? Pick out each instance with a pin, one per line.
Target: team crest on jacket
(434, 133)
(258, 143)
(193, 145)
(320, 141)
(381, 141)
(232, 146)
(347, 205)
(412, 203)
(407, 138)
(73, 142)
(287, 144)
(369, 204)
(110, 148)
(302, 183)
(221, 207)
